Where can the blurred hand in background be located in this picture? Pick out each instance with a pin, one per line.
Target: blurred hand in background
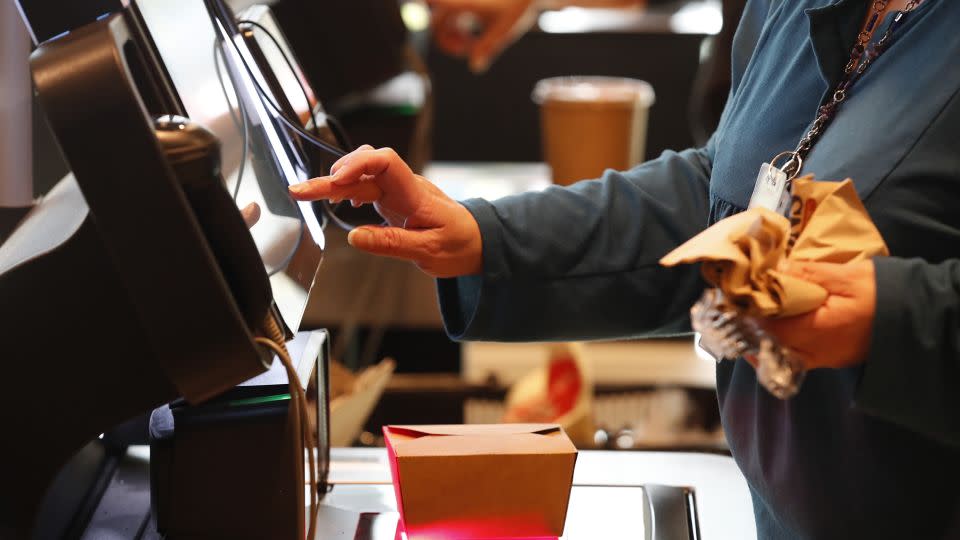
(480, 29)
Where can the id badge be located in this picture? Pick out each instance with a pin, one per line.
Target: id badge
(771, 190)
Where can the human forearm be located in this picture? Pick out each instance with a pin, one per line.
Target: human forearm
(582, 262)
(913, 368)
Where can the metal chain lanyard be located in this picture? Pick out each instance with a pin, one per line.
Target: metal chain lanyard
(862, 57)
(773, 187)
(727, 332)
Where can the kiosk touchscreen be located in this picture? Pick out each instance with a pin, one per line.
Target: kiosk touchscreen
(216, 74)
(136, 280)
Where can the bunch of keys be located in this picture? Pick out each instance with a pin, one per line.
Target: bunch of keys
(727, 333)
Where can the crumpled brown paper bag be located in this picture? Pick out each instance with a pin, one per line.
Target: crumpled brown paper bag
(741, 254)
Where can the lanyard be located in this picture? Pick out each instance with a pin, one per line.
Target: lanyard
(862, 57)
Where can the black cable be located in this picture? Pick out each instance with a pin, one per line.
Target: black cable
(240, 124)
(339, 132)
(329, 210)
(293, 70)
(246, 134)
(323, 145)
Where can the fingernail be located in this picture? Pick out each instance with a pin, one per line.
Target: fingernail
(352, 236)
(298, 188)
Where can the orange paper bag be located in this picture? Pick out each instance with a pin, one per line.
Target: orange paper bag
(742, 253)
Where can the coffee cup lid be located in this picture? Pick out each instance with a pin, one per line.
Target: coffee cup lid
(593, 90)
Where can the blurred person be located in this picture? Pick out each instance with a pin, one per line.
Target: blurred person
(869, 446)
(501, 22)
(480, 29)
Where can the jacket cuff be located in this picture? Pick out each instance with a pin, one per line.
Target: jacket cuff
(460, 298)
(882, 390)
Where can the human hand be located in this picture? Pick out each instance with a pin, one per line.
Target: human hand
(837, 334)
(251, 214)
(425, 226)
(501, 21)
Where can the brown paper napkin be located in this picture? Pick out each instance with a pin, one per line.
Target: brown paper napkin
(741, 254)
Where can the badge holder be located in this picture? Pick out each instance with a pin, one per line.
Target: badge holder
(726, 331)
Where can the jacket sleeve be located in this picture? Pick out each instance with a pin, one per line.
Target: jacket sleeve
(913, 370)
(581, 262)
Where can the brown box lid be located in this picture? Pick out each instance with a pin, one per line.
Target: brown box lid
(481, 481)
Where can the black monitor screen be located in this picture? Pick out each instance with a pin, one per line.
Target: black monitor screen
(215, 73)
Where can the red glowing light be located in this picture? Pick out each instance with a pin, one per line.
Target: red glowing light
(439, 533)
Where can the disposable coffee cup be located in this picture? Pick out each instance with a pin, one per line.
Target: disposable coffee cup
(590, 124)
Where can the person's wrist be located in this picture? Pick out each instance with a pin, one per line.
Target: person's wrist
(472, 254)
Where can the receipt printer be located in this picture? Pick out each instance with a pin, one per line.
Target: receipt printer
(233, 467)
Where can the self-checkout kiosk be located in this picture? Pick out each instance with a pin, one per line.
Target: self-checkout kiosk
(142, 309)
(135, 288)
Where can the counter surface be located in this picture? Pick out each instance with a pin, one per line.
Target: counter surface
(362, 495)
(362, 484)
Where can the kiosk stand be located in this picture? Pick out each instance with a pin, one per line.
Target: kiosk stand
(133, 283)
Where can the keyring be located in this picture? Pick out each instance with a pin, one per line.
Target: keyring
(794, 158)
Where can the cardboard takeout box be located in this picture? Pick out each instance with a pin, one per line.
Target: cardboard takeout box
(481, 481)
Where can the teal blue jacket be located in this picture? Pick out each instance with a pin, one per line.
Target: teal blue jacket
(866, 452)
